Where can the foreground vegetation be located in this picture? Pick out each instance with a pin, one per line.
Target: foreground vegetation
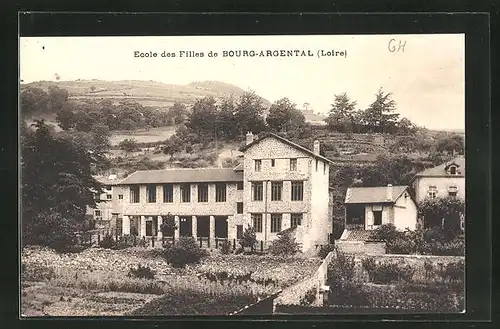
(132, 271)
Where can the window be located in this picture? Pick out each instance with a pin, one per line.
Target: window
(220, 192)
(185, 193)
(453, 170)
(297, 191)
(295, 220)
(168, 193)
(239, 186)
(257, 222)
(432, 192)
(151, 192)
(109, 196)
(276, 188)
(293, 164)
(324, 168)
(258, 164)
(98, 213)
(275, 223)
(202, 192)
(120, 196)
(316, 165)
(134, 194)
(273, 162)
(377, 217)
(239, 207)
(257, 188)
(452, 191)
(239, 231)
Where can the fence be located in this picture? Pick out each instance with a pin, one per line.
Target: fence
(94, 237)
(293, 294)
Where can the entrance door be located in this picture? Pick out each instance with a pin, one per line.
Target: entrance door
(149, 228)
(220, 227)
(185, 227)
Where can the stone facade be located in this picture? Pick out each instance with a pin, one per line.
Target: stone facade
(282, 167)
(443, 186)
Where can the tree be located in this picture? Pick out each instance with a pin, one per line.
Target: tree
(284, 116)
(380, 116)
(249, 238)
(226, 121)
(178, 113)
(404, 144)
(451, 144)
(172, 146)
(168, 225)
(442, 212)
(57, 184)
(57, 98)
(285, 245)
(83, 121)
(341, 114)
(203, 118)
(33, 100)
(249, 113)
(66, 119)
(128, 145)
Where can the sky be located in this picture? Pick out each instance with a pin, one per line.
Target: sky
(426, 76)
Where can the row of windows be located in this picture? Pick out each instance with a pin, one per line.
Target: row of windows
(276, 221)
(432, 191)
(185, 189)
(297, 191)
(293, 165)
(258, 164)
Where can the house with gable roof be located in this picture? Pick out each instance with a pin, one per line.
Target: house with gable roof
(446, 179)
(367, 208)
(279, 185)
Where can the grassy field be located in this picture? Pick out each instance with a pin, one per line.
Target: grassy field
(143, 136)
(96, 282)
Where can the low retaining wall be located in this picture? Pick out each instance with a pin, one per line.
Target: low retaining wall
(262, 307)
(361, 247)
(293, 294)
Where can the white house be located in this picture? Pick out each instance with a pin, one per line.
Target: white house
(367, 208)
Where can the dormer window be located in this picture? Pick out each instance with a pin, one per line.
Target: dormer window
(453, 170)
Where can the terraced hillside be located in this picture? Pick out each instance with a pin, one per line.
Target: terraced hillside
(148, 93)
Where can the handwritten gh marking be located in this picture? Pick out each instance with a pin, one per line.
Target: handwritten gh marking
(400, 45)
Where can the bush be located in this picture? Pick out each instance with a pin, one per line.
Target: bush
(141, 272)
(142, 242)
(401, 246)
(107, 242)
(309, 297)
(184, 251)
(125, 241)
(325, 250)
(249, 238)
(391, 272)
(340, 269)
(225, 247)
(51, 230)
(285, 245)
(454, 272)
(347, 294)
(387, 233)
(37, 273)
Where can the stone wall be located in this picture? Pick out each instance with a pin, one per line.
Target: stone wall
(293, 294)
(360, 247)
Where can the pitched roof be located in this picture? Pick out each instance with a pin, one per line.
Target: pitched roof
(360, 235)
(238, 167)
(441, 170)
(105, 180)
(184, 175)
(373, 194)
(286, 141)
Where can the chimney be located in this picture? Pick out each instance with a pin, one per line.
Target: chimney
(316, 147)
(389, 191)
(249, 137)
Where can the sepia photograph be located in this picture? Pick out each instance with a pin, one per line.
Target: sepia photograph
(242, 175)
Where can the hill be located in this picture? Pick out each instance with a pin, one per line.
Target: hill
(147, 93)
